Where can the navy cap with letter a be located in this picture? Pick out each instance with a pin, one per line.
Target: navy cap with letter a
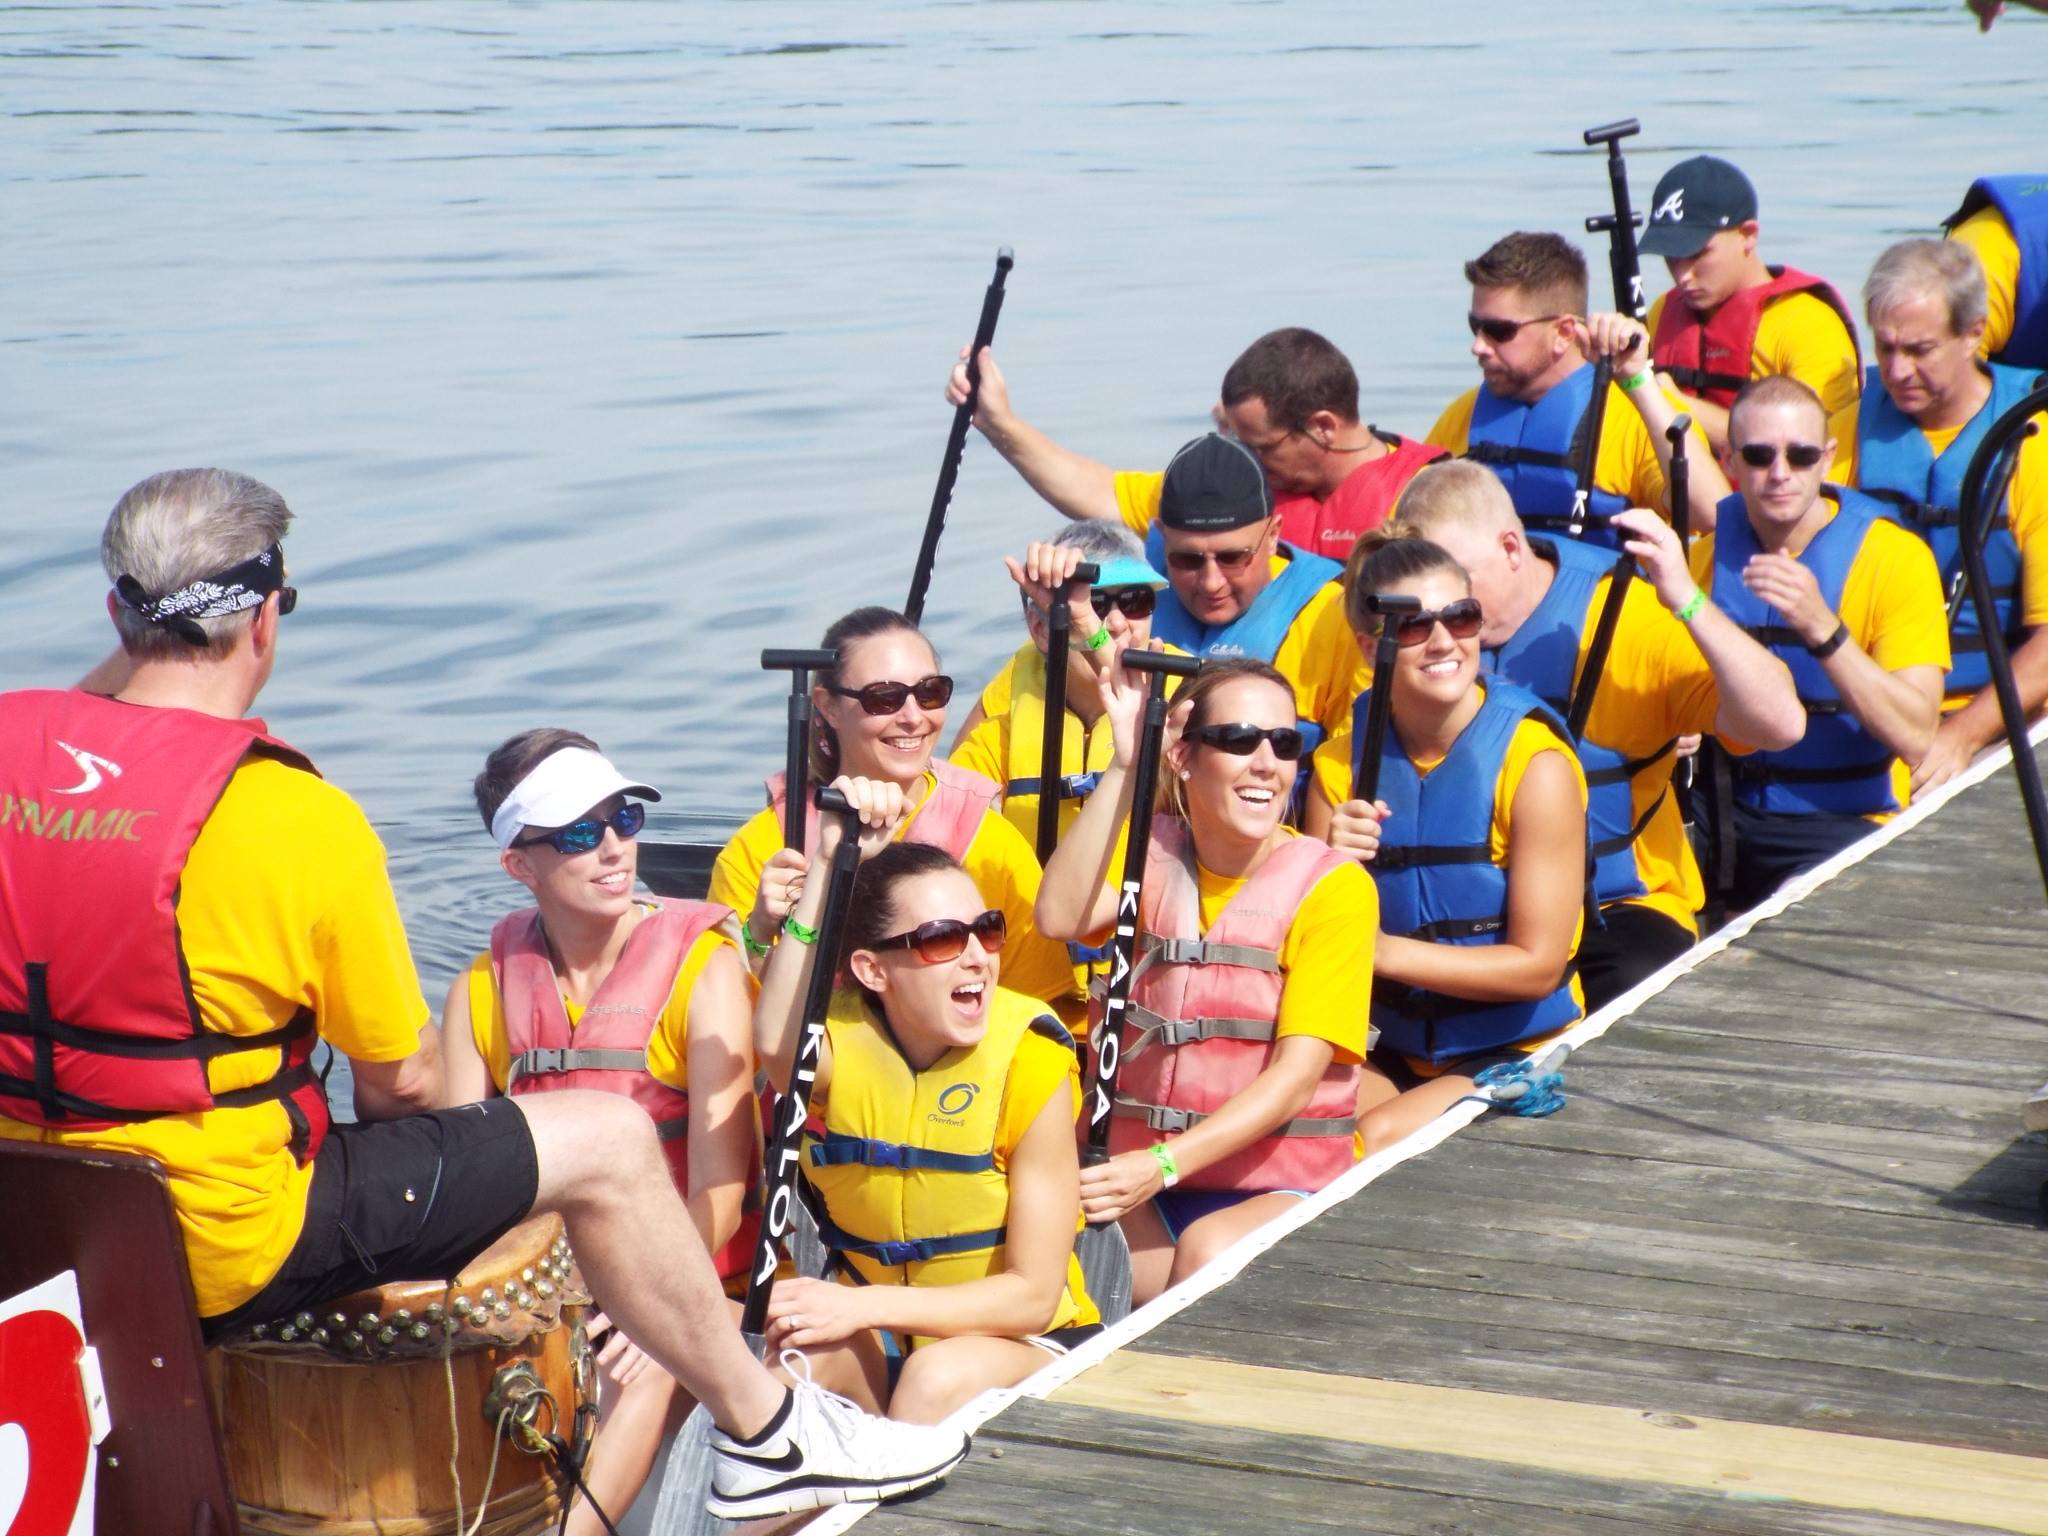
(1695, 200)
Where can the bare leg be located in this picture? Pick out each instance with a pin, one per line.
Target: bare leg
(1207, 1238)
(633, 1418)
(942, 1375)
(1397, 1117)
(602, 1169)
(1151, 1252)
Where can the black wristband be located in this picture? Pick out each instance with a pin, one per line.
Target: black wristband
(1832, 644)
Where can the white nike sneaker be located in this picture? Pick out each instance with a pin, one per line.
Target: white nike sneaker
(825, 1451)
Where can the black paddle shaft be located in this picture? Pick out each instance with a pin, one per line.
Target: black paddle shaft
(1051, 769)
(1985, 484)
(1680, 480)
(797, 753)
(1124, 944)
(1379, 708)
(956, 441)
(1589, 447)
(1620, 226)
(793, 1104)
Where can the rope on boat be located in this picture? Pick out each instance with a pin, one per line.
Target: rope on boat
(1510, 1087)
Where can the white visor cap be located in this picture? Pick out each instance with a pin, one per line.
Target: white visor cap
(562, 786)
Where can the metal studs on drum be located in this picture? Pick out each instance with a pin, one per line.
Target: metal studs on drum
(287, 1334)
(337, 1320)
(369, 1322)
(387, 1335)
(320, 1335)
(303, 1322)
(353, 1339)
(490, 1296)
(462, 1306)
(402, 1316)
(419, 1331)
(260, 1331)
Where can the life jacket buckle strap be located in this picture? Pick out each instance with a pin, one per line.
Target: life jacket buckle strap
(1201, 952)
(550, 1061)
(1159, 1117)
(1177, 1032)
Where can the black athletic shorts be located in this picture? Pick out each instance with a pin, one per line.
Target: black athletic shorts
(410, 1199)
(1629, 944)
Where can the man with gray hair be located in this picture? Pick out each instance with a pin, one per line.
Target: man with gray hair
(1925, 409)
(1003, 737)
(187, 908)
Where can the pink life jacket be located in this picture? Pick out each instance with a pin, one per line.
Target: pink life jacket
(1710, 358)
(1203, 1010)
(948, 819)
(100, 803)
(608, 1047)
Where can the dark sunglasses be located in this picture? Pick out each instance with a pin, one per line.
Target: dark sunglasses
(1131, 602)
(1192, 560)
(1764, 455)
(946, 939)
(582, 836)
(886, 698)
(1242, 740)
(1461, 619)
(287, 600)
(1501, 332)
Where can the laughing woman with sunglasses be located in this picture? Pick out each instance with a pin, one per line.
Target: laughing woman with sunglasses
(879, 714)
(1477, 843)
(1239, 1084)
(591, 987)
(942, 1158)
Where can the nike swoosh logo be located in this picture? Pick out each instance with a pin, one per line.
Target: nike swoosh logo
(788, 1461)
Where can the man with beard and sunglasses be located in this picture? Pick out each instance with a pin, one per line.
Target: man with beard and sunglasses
(187, 908)
(1929, 403)
(1291, 397)
(1531, 419)
(1852, 603)
(1677, 667)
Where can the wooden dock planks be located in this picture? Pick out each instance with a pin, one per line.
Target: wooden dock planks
(1780, 1267)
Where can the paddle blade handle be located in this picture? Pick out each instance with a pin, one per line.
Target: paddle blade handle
(777, 660)
(826, 798)
(1608, 133)
(1162, 663)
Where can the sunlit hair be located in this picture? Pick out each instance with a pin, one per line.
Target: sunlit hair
(1546, 268)
(1199, 694)
(177, 527)
(1295, 373)
(1455, 493)
(515, 758)
(873, 915)
(1385, 558)
(1915, 269)
(840, 639)
(1099, 543)
(1774, 389)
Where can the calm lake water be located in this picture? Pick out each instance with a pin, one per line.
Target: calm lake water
(599, 345)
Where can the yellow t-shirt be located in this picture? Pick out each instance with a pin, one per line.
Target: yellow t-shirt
(1893, 604)
(1627, 463)
(285, 903)
(1327, 955)
(2027, 501)
(1987, 233)
(668, 1051)
(1000, 861)
(1320, 654)
(1801, 335)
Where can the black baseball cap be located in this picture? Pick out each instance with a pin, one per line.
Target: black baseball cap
(1214, 484)
(1694, 201)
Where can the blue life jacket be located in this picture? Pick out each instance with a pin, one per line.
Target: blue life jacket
(1260, 630)
(2023, 200)
(1543, 656)
(1438, 883)
(1536, 449)
(1896, 464)
(1837, 766)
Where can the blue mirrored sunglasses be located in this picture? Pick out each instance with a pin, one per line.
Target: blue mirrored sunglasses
(582, 836)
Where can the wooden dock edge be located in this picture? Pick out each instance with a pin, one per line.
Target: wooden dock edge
(1231, 1263)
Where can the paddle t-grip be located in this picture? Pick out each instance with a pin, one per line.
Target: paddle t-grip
(797, 742)
(1052, 777)
(1165, 663)
(1607, 133)
(773, 660)
(829, 799)
(1681, 479)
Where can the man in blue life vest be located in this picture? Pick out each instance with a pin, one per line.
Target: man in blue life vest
(1531, 419)
(1677, 667)
(1851, 602)
(2004, 219)
(1728, 317)
(186, 907)
(1927, 407)
(1291, 397)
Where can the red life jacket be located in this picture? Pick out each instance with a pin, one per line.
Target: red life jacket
(1203, 1010)
(948, 819)
(1360, 504)
(608, 1047)
(1710, 358)
(100, 803)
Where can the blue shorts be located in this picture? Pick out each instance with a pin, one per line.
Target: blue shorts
(1180, 1209)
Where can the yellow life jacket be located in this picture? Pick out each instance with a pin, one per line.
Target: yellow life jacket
(910, 1169)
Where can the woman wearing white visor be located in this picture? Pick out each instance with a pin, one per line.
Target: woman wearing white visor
(593, 987)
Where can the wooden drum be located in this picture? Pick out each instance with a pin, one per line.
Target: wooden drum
(338, 1422)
